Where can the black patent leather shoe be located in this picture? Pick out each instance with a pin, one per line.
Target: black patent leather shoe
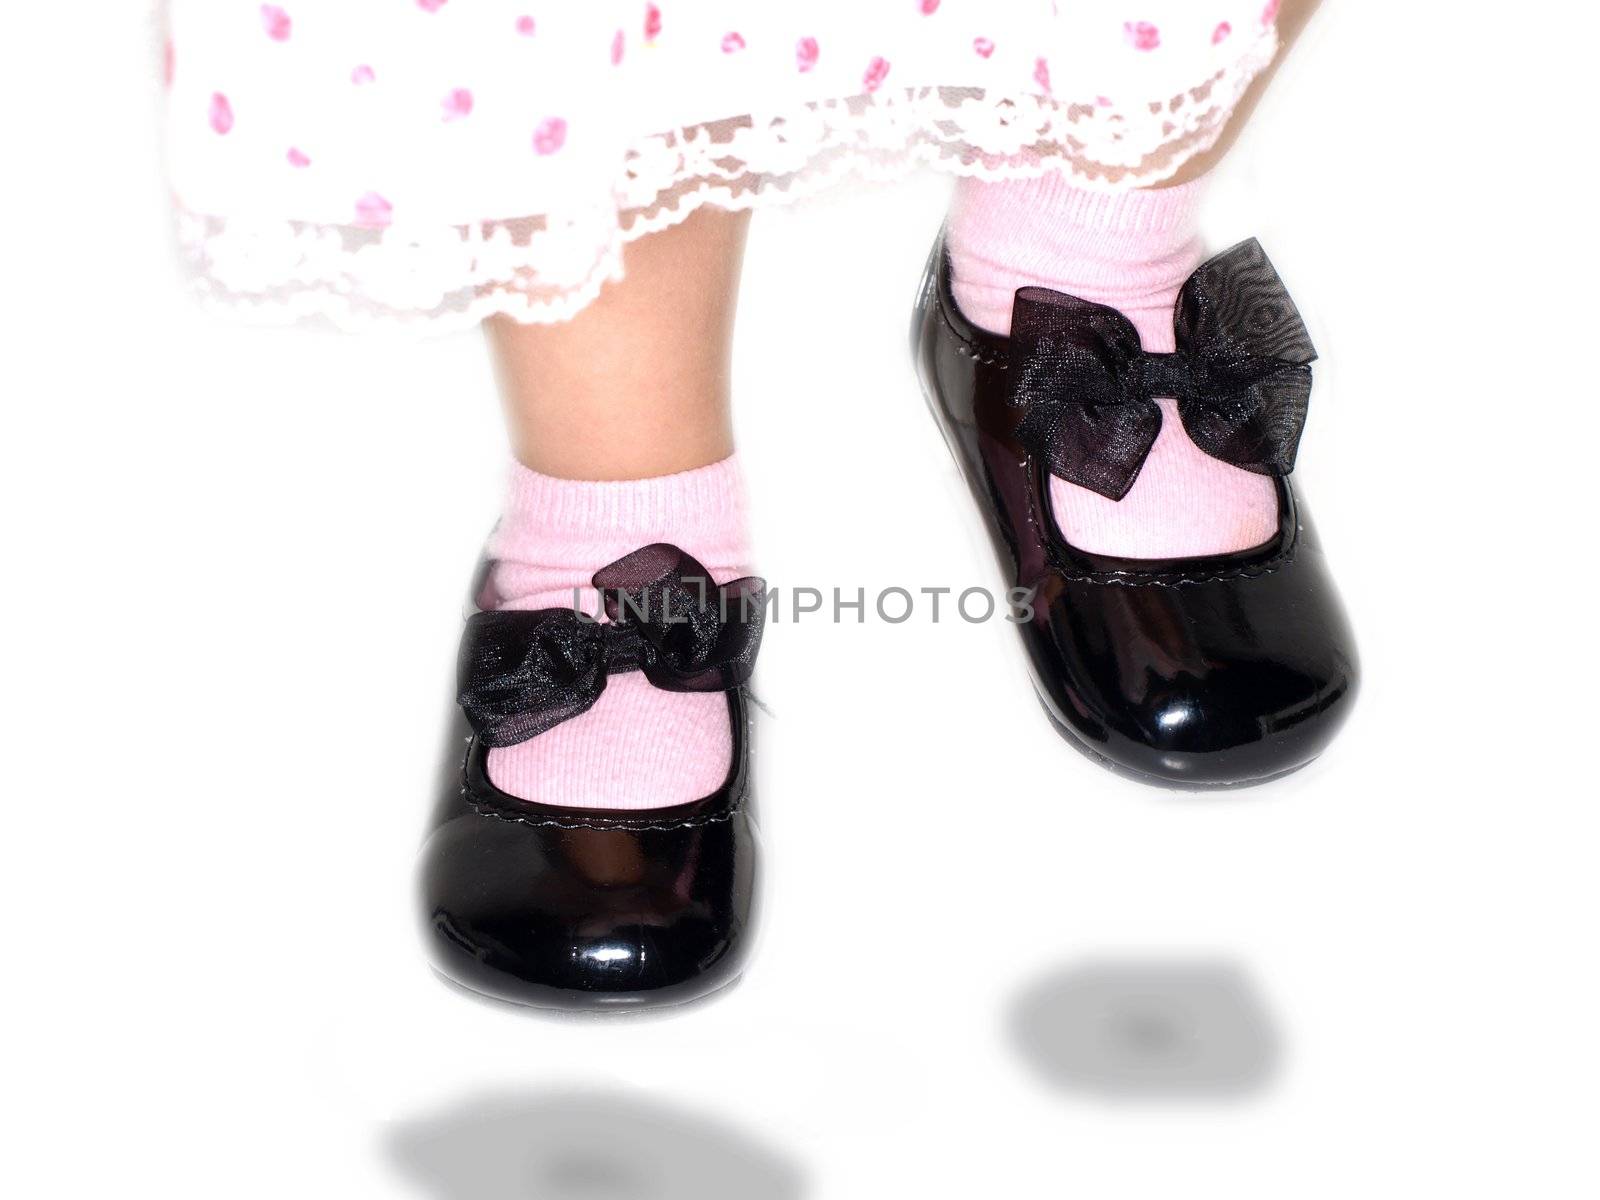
(572, 908)
(1224, 670)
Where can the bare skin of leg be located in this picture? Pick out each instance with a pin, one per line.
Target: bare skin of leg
(636, 385)
(1292, 18)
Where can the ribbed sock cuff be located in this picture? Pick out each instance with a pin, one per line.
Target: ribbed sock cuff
(1130, 250)
(1036, 227)
(1138, 211)
(680, 505)
(555, 533)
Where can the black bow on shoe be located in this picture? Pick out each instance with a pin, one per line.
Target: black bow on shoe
(1241, 375)
(522, 673)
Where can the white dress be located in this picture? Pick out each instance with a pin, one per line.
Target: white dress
(442, 160)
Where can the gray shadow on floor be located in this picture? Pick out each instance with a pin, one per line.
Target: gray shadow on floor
(586, 1145)
(1147, 1029)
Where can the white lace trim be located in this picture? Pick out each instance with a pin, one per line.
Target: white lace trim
(546, 268)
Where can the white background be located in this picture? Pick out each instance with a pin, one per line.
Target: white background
(234, 561)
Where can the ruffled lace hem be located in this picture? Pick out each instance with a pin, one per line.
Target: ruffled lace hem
(546, 268)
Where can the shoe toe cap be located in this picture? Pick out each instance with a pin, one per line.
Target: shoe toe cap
(1242, 723)
(592, 959)
(1223, 683)
(577, 918)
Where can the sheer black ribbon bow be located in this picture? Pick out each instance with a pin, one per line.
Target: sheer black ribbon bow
(1241, 375)
(522, 673)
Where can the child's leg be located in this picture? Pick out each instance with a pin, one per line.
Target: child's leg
(636, 385)
(1130, 250)
(619, 420)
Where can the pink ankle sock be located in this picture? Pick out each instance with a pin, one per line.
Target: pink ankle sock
(1131, 251)
(638, 747)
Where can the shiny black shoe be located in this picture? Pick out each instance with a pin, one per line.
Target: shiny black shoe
(1225, 670)
(573, 908)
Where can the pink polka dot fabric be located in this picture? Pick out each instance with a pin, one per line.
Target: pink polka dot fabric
(452, 121)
